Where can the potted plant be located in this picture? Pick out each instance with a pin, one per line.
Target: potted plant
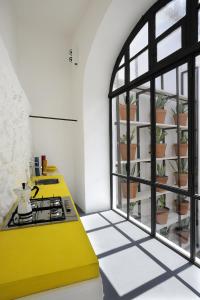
(183, 230)
(182, 148)
(162, 212)
(181, 205)
(181, 113)
(131, 207)
(160, 142)
(133, 185)
(181, 177)
(124, 182)
(160, 108)
(161, 176)
(133, 107)
(123, 146)
(165, 231)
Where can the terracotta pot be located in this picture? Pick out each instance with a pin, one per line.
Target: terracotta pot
(183, 234)
(162, 215)
(183, 148)
(122, 112)
(182, 119)
(182, 206)
(163, 180)
(160, 115)
(133, 109)
(160, 150)
(133, 189)
(123, 151)
(183, 178)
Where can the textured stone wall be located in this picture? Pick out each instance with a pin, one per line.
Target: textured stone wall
(15, 139)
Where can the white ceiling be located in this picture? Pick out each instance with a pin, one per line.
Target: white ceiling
(57, 15)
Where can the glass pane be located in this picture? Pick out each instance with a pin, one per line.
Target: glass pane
(140, 203)
(198, 231)
(169, 15)
(140, 132)
(197, 136)
(119, 79)
(197, 164)
(122, 61)
(173, 218)
(119, 128)
(140, 41)
(120, 195)
(169, 44)
(139, 65)
(171, 111)
(199, 25)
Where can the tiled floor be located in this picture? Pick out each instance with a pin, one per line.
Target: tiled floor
(135, 266)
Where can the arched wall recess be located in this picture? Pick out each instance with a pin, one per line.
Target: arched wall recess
(153, 113)
(93, 73)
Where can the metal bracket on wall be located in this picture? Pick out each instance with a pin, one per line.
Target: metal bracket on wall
(51, 118)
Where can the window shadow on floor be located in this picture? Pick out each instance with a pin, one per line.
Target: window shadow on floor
(129, 269)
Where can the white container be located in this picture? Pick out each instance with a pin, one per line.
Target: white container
(24, 205)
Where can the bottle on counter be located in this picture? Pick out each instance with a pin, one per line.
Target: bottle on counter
(44, 164)
(37, 166)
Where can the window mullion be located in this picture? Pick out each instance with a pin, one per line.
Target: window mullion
(152, 62)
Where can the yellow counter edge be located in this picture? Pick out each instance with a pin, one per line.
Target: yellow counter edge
(28, 286)
(43, 283)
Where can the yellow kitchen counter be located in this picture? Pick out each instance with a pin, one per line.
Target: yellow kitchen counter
(44, 257)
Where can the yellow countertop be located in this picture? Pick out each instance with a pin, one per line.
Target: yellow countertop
(44, 257)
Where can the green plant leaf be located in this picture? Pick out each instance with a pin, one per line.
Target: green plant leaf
(180, 109)
(161, 170)
(161, 100)
(182, 168)
(132, 135)
(183, 138)
(132, 99)
(161, 201)
(160, 135)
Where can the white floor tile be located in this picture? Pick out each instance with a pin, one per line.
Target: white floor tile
(169, 289)
(93, 221)
(132, 231)
(112, 216)
(107, 239)
(192, 276)
(168, 257)
(129, 269)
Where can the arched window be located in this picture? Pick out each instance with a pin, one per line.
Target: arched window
(154, 126)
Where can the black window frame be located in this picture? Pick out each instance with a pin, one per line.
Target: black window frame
(187, 54)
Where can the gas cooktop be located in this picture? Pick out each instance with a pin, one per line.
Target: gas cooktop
(44, 211)
(47, 181)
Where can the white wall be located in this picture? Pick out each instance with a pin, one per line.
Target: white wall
(8, 29)
(14, 131)
(82, 40)
(14, 110)
(46, 78)
(102, 48)
(81, 151)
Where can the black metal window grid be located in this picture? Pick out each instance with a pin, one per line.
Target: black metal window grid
(190, 49)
